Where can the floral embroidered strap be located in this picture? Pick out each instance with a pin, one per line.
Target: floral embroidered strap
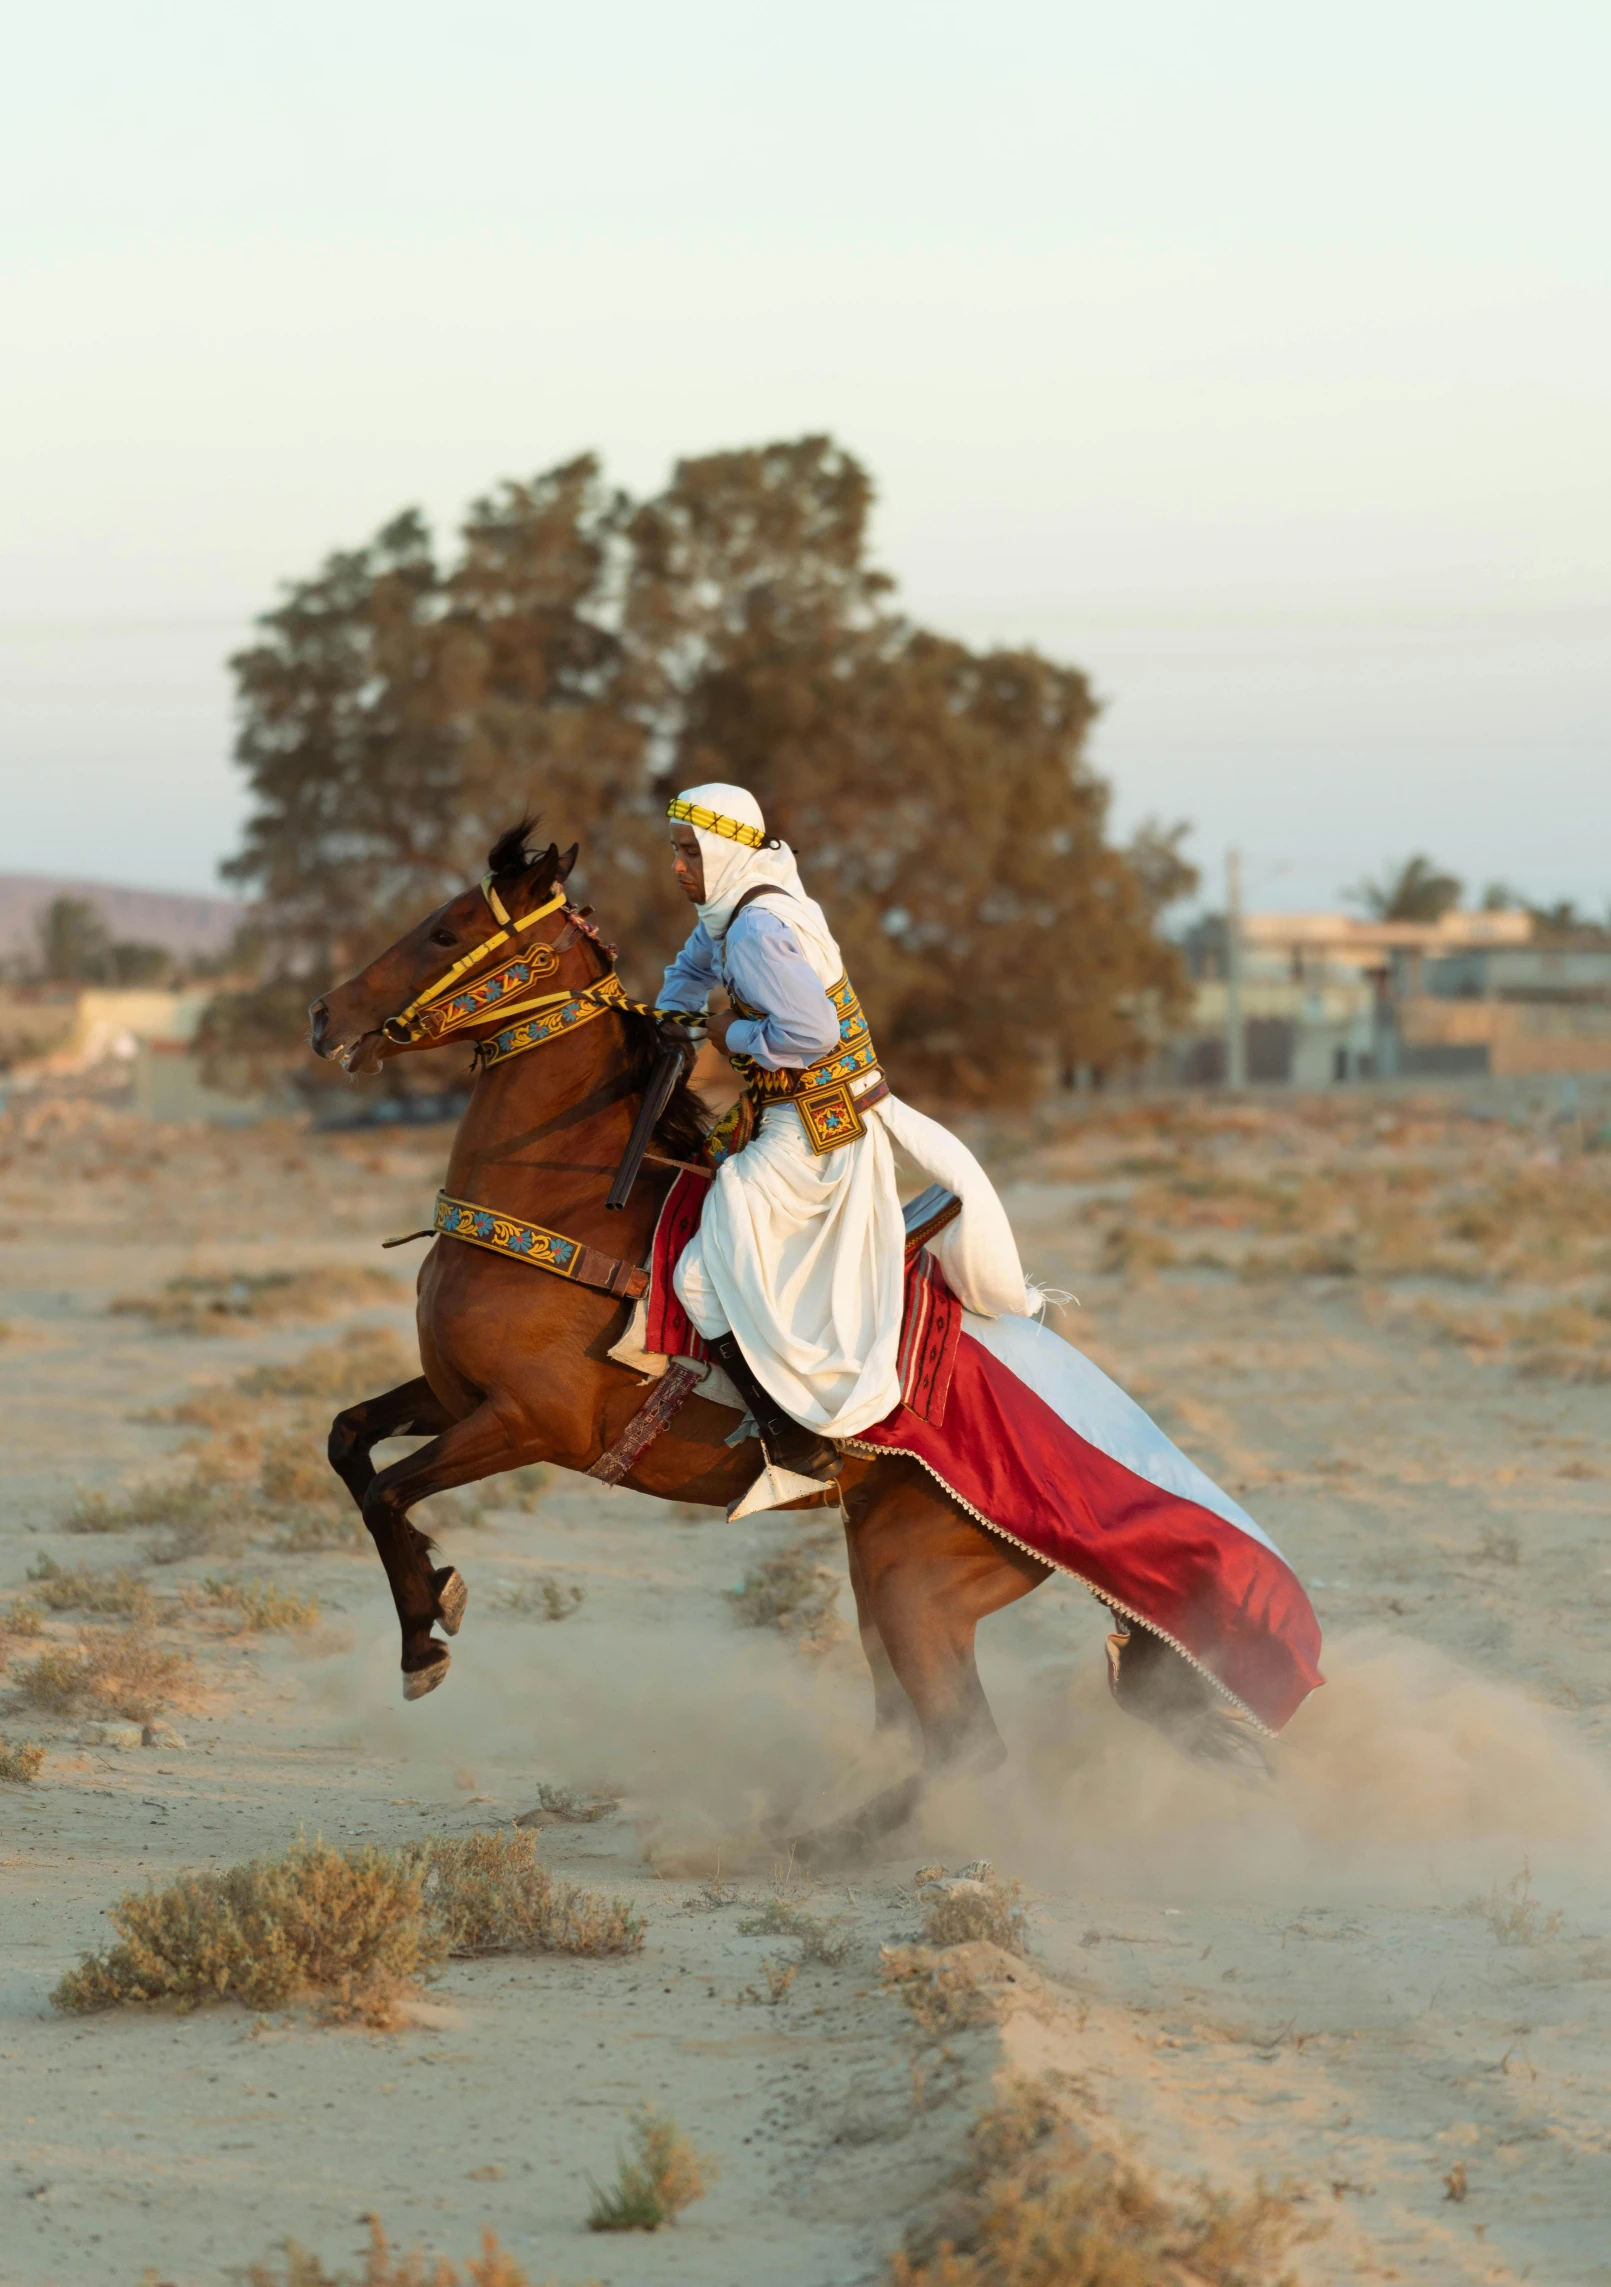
(530, 1243)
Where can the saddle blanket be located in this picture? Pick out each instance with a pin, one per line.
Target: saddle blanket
(1040, 1446)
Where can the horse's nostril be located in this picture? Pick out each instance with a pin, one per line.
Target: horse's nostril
(318, 1022)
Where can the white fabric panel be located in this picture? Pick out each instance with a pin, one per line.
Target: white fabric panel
(978, 1252)
(803, 1258)
(1096, 1409)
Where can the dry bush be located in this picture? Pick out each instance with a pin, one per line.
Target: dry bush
(296, 1473)
(262, 1606)
(200, 1304)
(22, 1617)
(368, 1360)
(488, 1893)
(77, 1589)
(793, 1592)
(779, 1976)
(349, 1927)
(966, 1910)
(1514, 1914)
(1036, 2205)
(821, 1941)
(180, 1502)
(543, 1598)
(20, 1764)
(109, 1671)
(1126, 1247)
(944, 1996)
(492, 2268)
(580, 1806)
(667, 2176)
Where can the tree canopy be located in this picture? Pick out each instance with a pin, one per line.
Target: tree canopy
(585, 654)
(1413, 891)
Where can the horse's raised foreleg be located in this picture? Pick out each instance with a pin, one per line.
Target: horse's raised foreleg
(413, 1409)
(484, 1444)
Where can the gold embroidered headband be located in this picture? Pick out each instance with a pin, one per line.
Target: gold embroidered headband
(730, 829)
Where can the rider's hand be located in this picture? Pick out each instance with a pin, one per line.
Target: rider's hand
(718, 1024)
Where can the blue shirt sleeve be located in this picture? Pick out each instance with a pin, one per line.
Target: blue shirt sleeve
(692, 976)
(797, 1026)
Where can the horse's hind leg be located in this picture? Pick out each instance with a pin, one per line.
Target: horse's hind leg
(892, 1710)
(925, 1576)
(481, 1445)
(932, 1575)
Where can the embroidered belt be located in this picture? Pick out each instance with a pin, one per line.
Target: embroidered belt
(830, 1097)
(530, 1243)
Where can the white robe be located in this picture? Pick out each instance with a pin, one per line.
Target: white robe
(801, 1255)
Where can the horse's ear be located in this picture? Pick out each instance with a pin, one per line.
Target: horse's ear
(562, 866)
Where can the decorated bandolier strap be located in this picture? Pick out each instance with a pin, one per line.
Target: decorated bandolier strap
(830, 1097)
(530, 1243)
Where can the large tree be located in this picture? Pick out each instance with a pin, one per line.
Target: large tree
(585, 654)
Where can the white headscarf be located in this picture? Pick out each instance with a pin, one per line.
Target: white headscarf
(732, 867)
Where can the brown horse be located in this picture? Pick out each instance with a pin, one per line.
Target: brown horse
(515, 1364)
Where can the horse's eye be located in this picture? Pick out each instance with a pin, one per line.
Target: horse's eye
(443, 937)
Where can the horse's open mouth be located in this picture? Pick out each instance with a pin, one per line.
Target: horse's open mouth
(363, 1057)
(358, 1058)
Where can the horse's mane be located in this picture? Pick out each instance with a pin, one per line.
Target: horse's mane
(681, 1128)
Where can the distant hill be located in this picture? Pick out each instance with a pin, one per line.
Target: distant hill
(170, 917)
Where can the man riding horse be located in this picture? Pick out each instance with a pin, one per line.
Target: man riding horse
(795, 1275)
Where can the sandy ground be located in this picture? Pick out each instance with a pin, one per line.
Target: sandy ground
(1384, 1977)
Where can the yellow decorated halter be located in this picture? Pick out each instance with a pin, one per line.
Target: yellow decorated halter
(540, 961)
(444, 1008)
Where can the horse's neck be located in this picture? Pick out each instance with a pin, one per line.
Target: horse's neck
(544, 1133)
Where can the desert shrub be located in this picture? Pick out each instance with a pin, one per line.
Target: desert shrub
(110, 1671)
(543, 1598)
(966, 1910)
(262, 1606)
(202, 1304)
(666, 2176)
(1127, 1248)
(349, 1927)
(793, 1592)
(20, 1764)
(580, 1806)
(1037, 2205)
(22, 1617)
(296, 1473)
(489, 1893)
(943, 1995)
(77, 1589)
(1514, 1914)
(362, 1364)
(819, 1941)
(178, 1502)
(492, 2268)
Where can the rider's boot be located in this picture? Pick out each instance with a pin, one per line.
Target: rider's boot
(795, 1460)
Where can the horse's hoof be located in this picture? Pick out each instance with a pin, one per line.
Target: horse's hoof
(451, 1598)
(418, 1681)
(855, 1837)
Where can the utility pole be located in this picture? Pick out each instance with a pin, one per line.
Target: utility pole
(1235, 1035)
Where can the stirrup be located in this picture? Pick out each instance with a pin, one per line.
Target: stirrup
(775, 1488)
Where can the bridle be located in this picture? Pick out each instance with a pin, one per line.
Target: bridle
(445, 1006)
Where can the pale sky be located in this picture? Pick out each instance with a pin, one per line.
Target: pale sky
(1255, 357)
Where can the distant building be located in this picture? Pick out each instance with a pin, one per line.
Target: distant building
(1327, 998)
